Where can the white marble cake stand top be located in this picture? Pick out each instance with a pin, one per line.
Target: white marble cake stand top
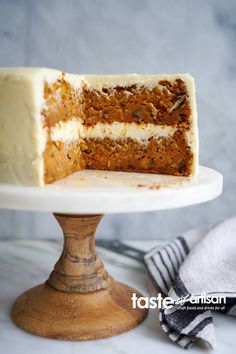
(92, 192)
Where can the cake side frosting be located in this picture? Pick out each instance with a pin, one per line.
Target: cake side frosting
(192, 134)
(22, 139)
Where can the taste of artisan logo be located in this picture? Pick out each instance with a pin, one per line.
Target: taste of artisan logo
(159, 301)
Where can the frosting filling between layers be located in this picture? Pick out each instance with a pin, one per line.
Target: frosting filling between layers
(74, 130)
(66, 131)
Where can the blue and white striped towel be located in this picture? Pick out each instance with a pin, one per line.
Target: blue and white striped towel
(200, 261)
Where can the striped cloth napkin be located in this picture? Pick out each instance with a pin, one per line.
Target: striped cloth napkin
(199, 262)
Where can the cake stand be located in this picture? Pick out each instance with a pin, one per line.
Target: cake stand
(80, 300)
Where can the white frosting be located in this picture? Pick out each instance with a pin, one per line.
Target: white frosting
(192, 134)
(23, 138)
(117, 130)
(67, 132)
(98, 82)
(73, 130)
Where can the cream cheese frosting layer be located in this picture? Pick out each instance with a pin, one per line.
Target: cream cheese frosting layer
(117, 130)
(74, 130)
(67, 132)
(98, 82)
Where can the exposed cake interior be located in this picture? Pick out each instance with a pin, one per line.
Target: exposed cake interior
(138, 127)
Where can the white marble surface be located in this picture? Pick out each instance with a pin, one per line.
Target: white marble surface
(99, 192)
(109, 36)
(25, 263)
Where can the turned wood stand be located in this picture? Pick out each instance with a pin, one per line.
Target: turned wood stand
(80, 300)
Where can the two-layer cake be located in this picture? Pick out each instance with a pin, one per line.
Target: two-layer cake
(53, 124)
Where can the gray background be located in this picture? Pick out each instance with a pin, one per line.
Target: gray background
(144, 36)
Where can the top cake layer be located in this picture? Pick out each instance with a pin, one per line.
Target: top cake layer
(48, 106)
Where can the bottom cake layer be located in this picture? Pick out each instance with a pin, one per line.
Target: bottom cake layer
(166, 155)
(169, 155)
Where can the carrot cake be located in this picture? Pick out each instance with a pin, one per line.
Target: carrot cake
(53, 124)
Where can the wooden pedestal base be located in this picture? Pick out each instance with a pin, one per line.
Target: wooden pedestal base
(79, 300)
